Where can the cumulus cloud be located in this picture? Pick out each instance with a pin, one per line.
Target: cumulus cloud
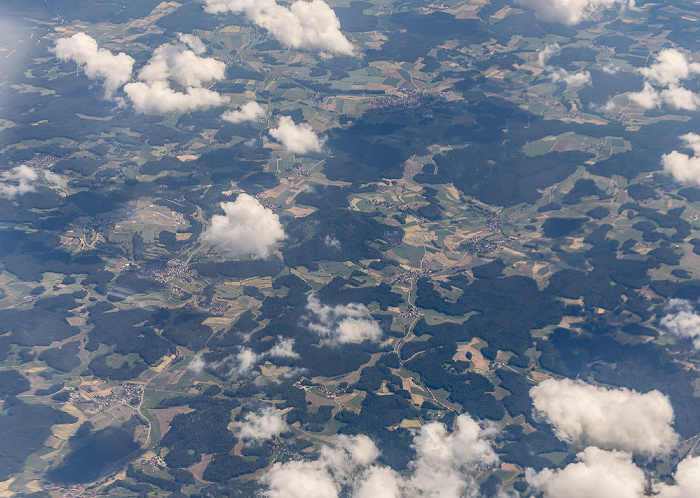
(181, 64)
(620, 419)
(192, 41)
(283, 349)
(599, 473)
(158, 97)
(613, 474)
(444, 467)
(671, 66)
(682, 320)
(262, 425)
(245, 360)
(98, 63)
(683, 167)
(250, 111)
(547, 53)
(687, 477)
(332, 242)
(444, 459)
(22, 179)
(559, 74)
(662, 82)
(197, 364)
(571, 11)
(571, 79)
(308, 25)
(297, 138)
(246, 229)
(343, 323)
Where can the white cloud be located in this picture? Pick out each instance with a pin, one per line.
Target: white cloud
(197, 364)
(378, 482)
(245, 360)
(283, 349)
(547, 53)
(299, 479)
(662, 82)
(571, 79)
(612, 474)
(619, 419)
(558, 74)
(444, 459)
(343, 323)
(309, 25)
(22, 179)
(158, 97)
(179, 63)
(250, 111)
(332, 242)
(241, 363)
(683, 167)
(671, 66)
(597, 473)
(682, 320)
(192, 41)
(262, 425)
(98, 63)
(297, 138)
(246, 229)
(571, 11)
(648, 97)
(444, 467)
(687, 477)
(183, 66)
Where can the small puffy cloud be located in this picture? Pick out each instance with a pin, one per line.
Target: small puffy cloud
(599, 473)
(571, 11)
(336, 467)
(297, 138)
(343, 323)
(558, 74)
(246, 359)
(332, 242)
(178, 63)
(671, 66)
(262, 425)
(246, 229)
(197, 364)
(619, 419)
(158, 98)
(682, 320)
(299, 479)
(308, 25)
(443, 468)
(444, 459)
(687, 477)
(182, 65)
(241, 363)
(22, 179)
(98, 63)
(379, 482)
(547, 53)
(662, 82)
(571, 79)
(192, 41)
(283, 349)
(250, 111)
(683, 167)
